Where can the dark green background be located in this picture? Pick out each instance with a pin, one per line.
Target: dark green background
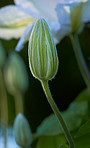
(64, 87)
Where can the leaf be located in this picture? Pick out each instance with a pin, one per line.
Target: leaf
(84, 95)
(83, 141)
(84, 129)
(73, 116)
(51, 142)
(64, 146)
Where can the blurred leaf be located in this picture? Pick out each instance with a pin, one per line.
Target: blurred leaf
(73, 116)
(84, 129)
(64, 146)
(84, 95)
(51, 142)
(83, 141)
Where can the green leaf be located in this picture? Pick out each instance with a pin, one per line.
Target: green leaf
(84, 95)
(51, 142)
(64, 146)
(73, 116)
(83, 141)
(84, 129)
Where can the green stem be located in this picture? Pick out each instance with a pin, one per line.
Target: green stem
(57, 112)
(18, 102)
(80, 59)
(4, 103)
(3, 108)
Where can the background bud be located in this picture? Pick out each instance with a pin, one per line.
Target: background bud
(22, 132)
(15, 74)
(43, 57)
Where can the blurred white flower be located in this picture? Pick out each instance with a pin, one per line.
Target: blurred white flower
(73, 14)
(17, 20)
(10, 139)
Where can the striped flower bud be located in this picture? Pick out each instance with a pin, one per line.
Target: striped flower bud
(43, 59)
(22, 132)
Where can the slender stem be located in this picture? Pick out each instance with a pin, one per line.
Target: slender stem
(4, 103)
(80, 59)
(3, 108)
(18, 102)
(57, 112)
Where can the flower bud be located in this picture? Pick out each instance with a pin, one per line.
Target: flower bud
(43, 59)
(15, 74)
(22, 132)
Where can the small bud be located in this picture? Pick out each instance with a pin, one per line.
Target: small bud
(22, 132)
(2, 55)
(43, 59)
(15, 74)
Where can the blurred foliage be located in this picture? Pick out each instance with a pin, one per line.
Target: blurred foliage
(73, 117)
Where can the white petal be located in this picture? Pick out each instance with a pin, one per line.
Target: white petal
(12, 14)
(46, 8)
(7, 33)
(71, 2)
(63, 13)
(25, 37)
(10, 140)
(64, 9)
(54, 28)
(13, 21)
(26, 4)
(86, 12)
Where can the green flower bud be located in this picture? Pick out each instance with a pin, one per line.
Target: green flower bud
(43, 59)
(15, 74)
(2, 55)
(22, 131)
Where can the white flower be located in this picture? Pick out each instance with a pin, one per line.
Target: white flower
(18, 20)
(73, 14)
(10, 139)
